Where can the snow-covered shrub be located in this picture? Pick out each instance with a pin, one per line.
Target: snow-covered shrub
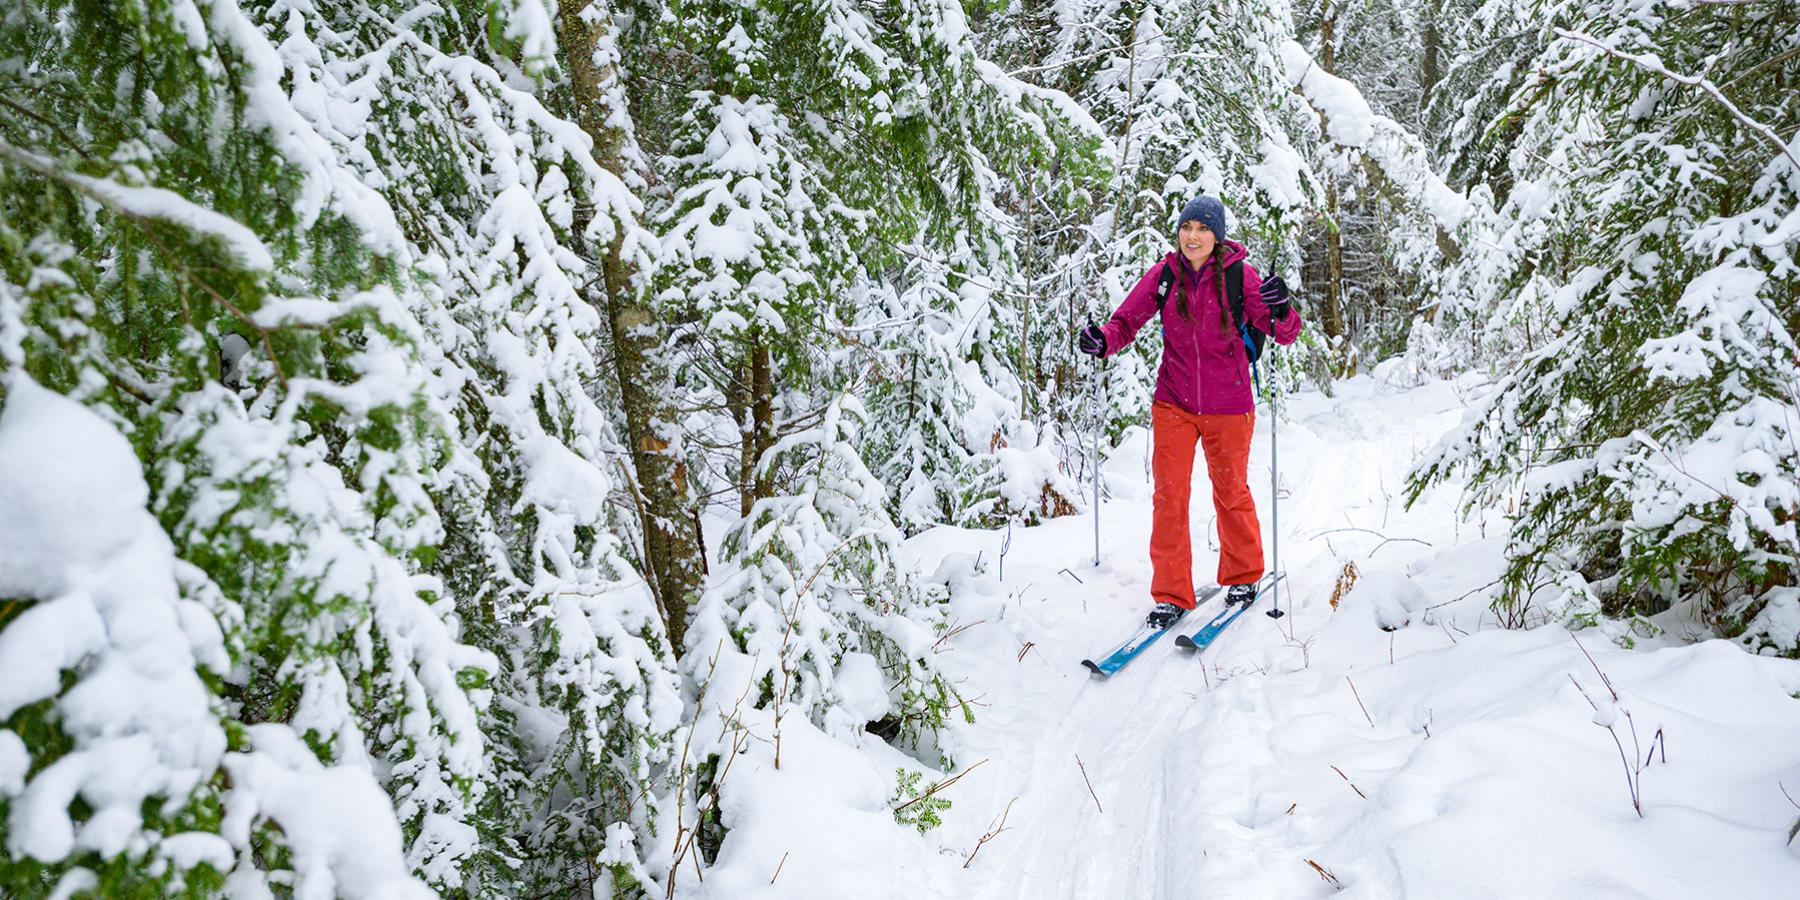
(810, 577)
(1648, 432)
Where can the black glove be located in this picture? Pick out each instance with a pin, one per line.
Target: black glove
(1092, 341)
(1275, 296)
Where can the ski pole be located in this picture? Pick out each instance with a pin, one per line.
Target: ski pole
(1097, 383)
(1275, 489)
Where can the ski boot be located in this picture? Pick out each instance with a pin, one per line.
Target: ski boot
(1164, 615)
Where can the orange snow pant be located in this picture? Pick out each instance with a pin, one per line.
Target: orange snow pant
(1226, 440)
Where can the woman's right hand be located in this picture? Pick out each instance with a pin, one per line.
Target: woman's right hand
(1092, 341)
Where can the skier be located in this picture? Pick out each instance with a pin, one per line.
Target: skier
(1202, 394)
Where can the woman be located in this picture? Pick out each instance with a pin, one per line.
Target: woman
(1202, 395)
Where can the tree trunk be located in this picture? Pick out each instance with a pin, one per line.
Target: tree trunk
(1025, 385)
(1432, 65)
(1333, 314)
(762, 418)
(675, 557)
(1332, 317)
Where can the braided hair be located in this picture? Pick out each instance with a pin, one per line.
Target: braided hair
(1219, 276)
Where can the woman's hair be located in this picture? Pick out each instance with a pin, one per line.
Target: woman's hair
(1219, 277)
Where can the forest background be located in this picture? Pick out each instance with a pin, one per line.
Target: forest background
(411, 410)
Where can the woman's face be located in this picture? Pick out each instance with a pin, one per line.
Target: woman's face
(1196, 241)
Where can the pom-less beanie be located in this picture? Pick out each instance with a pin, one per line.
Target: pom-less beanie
(1207, 211)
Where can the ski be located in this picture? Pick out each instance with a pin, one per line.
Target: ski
(1226, 616)
(1136, 644)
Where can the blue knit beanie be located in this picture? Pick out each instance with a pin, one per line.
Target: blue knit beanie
(1207, 211)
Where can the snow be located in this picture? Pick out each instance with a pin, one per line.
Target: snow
(862, 693)
(336, 819)
(14, 762)
(559, 480)
(1278, 175)
(1445, 757)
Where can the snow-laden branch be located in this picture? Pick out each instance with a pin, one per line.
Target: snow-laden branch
(1016, 90)
(1391, 151)
(143, 203)
(1655, 65)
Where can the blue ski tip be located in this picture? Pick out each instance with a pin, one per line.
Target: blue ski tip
(1093, 668)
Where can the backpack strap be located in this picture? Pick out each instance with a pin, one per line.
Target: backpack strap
(1234, 288)
(1165, 284)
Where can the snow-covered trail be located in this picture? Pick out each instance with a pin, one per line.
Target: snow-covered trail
(1170, 813)
(1403, 743)
(1222, 776)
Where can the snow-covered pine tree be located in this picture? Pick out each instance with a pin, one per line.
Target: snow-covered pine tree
(1486, 56)
(189, 197)
(820, 156)
(398, 503)
(1649, 435)
(1362, 257)
(517, 214)
(966, 317)
(1429, 224)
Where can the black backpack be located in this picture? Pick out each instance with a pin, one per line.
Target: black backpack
(1254, 337)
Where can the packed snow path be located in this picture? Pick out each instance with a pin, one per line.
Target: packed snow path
(1446, 757)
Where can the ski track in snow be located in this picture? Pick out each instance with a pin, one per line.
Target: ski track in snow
(1217, 774)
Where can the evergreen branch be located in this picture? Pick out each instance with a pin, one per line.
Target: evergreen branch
(1654, 65)
(1773, 60)
(54, 128)
(146, 205)
(1085, 57)
(261, 332)
(939, 786)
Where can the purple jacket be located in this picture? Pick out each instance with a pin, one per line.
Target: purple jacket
(1204, 367)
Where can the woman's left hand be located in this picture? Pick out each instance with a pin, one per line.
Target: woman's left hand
(1274, 294)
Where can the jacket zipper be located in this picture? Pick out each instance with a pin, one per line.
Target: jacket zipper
(1194, 342)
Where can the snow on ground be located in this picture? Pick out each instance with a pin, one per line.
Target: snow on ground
(1447, 757)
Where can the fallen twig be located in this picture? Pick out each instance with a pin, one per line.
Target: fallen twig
(1385, 540)
(1359, 702)
(1347, 781)
(992, 833)
(1090, 784)
(1325, 875)
(953, 631)
(1464, 596)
